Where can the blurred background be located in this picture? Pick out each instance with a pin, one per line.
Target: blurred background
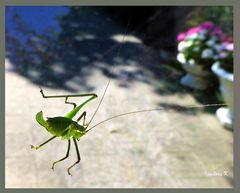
(69, 50)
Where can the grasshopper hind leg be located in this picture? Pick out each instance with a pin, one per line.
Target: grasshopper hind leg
(67, 154)
(78, 157)
(71, 103)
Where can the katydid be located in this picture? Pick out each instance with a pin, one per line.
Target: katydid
(64, 126)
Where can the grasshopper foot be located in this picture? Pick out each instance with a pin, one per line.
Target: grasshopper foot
(53, 165)
(41, 91)
(34, 147)
(69, 172)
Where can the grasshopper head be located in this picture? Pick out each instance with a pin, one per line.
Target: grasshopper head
(75, 131)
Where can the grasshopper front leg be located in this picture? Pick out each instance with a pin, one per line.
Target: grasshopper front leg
(37, 147)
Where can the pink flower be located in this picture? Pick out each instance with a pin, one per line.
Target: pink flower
(181, 37)
(229, 39)
(207, 25)
(230, 47)
(227, 46)
(222, 37)
(217, 31)
(194, 30)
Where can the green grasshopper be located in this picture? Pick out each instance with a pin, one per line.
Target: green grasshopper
(64, 126)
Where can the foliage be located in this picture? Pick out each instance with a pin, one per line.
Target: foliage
(220, 15)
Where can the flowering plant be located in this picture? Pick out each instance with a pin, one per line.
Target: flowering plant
(225, 55)
(203, 45)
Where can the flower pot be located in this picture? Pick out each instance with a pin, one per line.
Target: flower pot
(225, 115)
(196, 77)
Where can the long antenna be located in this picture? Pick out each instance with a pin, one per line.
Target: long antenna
(112, 48)
(109, 80)
(148, 110)
(109, 50)
(99, 103)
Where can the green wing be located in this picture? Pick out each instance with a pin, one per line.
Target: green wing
(40, 119)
